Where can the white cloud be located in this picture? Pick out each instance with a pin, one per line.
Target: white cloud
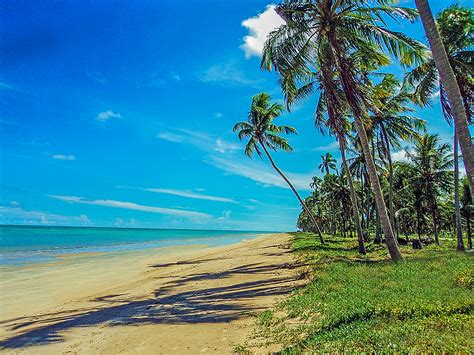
(17, 215)
(170, 137)
(223, 146)
(107, 115)
(225, 215)
(400, 156)
(63, 157)
(200, 140)
(436, 94)
(130, 206)
(331, 147)
(14, 204)
(261, 173)
(5, 86)
(218, 115)
(226, 75)
(176, 77)
(259, 27)
(190, 194)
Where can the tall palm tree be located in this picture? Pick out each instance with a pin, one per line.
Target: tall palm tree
(457, 207)
(263, 133)
(467, 210)
(431, 163)
(391, 123)
(450, 86)
(456, 28)
(328, 163)
(331, 113)
(337, 30)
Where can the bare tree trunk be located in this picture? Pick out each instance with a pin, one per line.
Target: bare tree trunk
(390, 178)
(435, 225)
(355, 205)
(350, 89)
(469, 235)
(457, 209)
(418, 224)
(310, 214)
(448, 80)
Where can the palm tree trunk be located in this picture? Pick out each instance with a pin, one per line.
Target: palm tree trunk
(355, 205)
(418, 224)
(309, 213)
(469, 235)
(390, 178)
(457, 209)
(451, 87)
(350, 89)
(435, 224)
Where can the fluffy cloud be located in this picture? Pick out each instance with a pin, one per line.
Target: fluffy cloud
(130, 206)
(107, 115)
(259, 27)
(63, 157)
(400, 156)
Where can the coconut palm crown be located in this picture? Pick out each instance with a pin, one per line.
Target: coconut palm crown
(260, 129)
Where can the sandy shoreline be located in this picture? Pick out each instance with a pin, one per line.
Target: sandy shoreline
(158, 301)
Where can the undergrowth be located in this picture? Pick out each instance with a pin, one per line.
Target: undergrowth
(356, 303)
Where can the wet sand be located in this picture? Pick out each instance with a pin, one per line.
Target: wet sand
(163, 301)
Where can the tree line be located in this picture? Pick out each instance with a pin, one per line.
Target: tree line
(338, 51)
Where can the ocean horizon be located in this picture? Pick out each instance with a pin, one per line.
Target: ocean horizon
(24, 244)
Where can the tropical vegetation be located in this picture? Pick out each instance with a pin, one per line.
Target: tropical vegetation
(398, 182)
(398, 185)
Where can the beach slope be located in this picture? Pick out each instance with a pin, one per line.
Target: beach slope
(197, 302)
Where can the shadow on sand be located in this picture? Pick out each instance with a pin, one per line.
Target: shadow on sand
(202, 305)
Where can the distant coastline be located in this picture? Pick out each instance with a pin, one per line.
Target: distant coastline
(139, 228)
(25, 244)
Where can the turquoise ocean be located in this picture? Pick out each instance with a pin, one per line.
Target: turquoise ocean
(37, 244)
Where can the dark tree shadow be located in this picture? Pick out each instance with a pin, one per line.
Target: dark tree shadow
(202, 305)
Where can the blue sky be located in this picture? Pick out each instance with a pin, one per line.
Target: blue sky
(122, 115)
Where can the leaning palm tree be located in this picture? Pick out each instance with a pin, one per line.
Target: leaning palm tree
(331, 113)
(263, 134)
(456, 29)
(450, 86)
(328, 163)
(319, 35)
(392, 122)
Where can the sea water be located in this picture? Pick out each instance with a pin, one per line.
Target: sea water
(38, 244)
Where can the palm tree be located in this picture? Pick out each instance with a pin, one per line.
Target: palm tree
(328, 163)
(456, 28)
(467, 210)
(450, 86)
(325, 34)
(431, 162)
(391, 123)
(457, 207)
(331, 113)
(263, 133)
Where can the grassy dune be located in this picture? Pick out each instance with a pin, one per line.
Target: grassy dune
(356, 303)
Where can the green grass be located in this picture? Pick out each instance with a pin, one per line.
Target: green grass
(368, 303)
